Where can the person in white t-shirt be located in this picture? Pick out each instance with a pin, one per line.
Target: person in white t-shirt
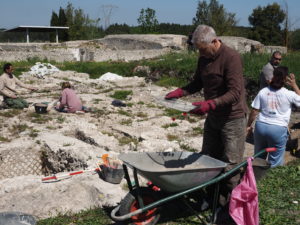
(273, 105)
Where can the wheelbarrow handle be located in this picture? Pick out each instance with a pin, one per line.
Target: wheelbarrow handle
(271, 149)
(263, 151)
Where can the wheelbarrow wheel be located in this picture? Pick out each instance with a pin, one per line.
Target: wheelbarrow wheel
(130, 204)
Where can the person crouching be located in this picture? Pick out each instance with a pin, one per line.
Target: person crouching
(69, 102)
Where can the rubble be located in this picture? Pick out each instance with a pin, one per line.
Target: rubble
(37, 145)
(41, 69)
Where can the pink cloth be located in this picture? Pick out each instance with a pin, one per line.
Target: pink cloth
(243, 206)
(71, 100)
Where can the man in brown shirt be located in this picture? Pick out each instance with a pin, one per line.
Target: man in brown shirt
(220, 74)
(8, 83)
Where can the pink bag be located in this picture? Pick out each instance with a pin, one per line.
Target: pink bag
(243, 206)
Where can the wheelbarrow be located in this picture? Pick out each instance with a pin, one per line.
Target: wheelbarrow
(176, 174)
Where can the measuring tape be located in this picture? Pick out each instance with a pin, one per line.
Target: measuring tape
(59, 177)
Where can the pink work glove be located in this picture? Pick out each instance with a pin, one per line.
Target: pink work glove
(203, 107)
(178, 93)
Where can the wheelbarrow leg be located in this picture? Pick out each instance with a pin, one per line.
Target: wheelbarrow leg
(126, 174)
(215, 202)
(191, 208)
(136, 180)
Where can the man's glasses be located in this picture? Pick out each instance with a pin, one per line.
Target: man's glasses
(279, 59)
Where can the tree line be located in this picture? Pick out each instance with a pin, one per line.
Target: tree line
(269, 24)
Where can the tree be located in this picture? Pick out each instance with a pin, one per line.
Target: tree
(81, 27)
(62, 21)
(77, 30)
(216, 16)
(147, 20)
(118, 29)
(53, 22)
(266, 24)
(54, 19)
(62, 17)
(288, 26)
(295, 40)
(69, 12)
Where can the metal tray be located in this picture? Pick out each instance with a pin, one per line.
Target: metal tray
(177, 104)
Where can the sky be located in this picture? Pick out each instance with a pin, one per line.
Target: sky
(38, 12)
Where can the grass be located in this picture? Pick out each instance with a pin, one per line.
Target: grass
(3, 139)
(166, 81)
(99, 112)
(66, 144)
(89, 217)
(38, 118)
(185, 147)
(18, 128)
(172, 137)
(11, 113)
(60, 119)
(197, 131)
(278, 193)
(51, 127)
(127, 140)
(97, 100)
(96, 69)
(150, 105)
(176, 69)
(169, 125)
(126, 122)
(121, 95)
(34, 133)
(125, 113)
(141, 114)
(172, 113)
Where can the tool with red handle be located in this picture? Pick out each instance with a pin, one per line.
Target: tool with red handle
(59, 177)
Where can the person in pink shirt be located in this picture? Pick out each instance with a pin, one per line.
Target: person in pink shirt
(69, 101)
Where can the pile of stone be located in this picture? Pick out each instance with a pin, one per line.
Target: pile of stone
(42, 69)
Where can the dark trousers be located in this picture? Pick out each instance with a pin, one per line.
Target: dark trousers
(224, 139)
(15, 103)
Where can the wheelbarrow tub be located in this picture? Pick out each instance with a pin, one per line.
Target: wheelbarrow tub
(174, 171)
